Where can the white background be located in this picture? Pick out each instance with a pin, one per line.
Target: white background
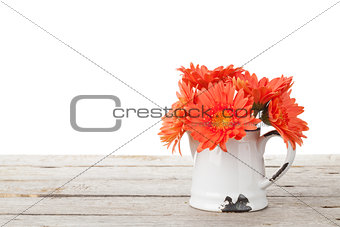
(142, 43)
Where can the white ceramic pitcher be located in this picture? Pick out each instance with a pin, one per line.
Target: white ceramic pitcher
(234, 181)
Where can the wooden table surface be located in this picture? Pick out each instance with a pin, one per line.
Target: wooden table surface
(154, 191)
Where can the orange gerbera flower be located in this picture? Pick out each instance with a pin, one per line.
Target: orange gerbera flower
(174, 122)
(172, 130)
(262, 90)
(282, 115)
(200, 77)
(223, 117)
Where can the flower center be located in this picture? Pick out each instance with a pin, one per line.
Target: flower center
(222, 119)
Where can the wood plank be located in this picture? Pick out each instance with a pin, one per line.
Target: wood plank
(121, 160)
(139, 173)
(109, 181)
(122, 211)
(169, 220)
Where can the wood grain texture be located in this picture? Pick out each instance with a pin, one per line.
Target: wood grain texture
(145, 180)
(130, 160)
(166, 211)
(154, 191)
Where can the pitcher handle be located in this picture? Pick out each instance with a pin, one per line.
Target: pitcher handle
(266, 182)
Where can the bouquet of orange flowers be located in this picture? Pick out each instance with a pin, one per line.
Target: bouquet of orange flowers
(221, 104)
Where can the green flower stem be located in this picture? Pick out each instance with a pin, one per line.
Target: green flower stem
(265, 117)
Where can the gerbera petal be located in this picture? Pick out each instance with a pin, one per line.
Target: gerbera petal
(282, 114)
